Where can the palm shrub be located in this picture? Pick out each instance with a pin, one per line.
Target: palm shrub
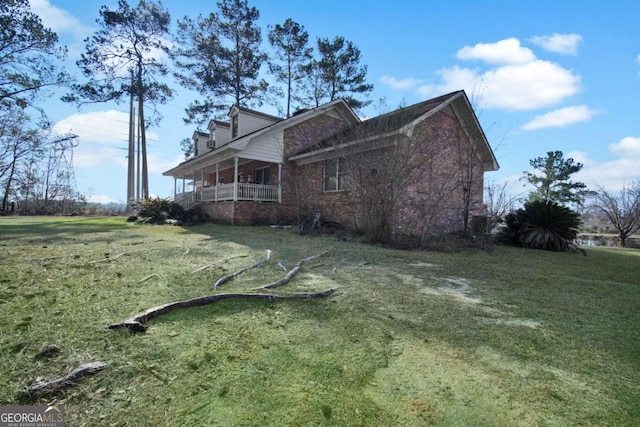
(542, 225)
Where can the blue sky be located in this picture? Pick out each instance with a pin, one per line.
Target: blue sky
(542, 75)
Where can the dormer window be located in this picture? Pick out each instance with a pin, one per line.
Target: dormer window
(234, 126)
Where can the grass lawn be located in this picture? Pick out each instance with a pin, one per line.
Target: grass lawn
(509, 337)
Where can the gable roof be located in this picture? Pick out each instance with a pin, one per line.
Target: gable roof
(198, 133)
(218, 123)
(240, 143)
(254, 112)
(402, 120)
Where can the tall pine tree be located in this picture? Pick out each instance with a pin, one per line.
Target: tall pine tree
(551, 176)
(290, 44)
(28, 52)
(340, 69)
(219, 56)
(127, 44)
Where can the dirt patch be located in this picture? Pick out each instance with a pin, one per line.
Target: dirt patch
(527, 323)
(458, 288)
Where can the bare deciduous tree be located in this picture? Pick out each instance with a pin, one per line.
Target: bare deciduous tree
(45, 182)
(17, 142)
(623, 210)
(377, 164)
(497, 199)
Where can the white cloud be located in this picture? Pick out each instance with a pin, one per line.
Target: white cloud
(452, 79)
(110, 127)
(515, 80)
(566, 44)
(580, 157)
(517, 87)
(611, 175)
(562, 117)
(627, 147)
(59, 20)
(403, 84)
(103, 137)
(158, 164)
(534, 85)
(508, 51)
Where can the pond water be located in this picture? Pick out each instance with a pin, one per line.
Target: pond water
(597, 242)
(610, 240)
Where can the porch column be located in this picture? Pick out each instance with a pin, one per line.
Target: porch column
(201, 184)
(175, 187)
(217, 180)
(279, 182)
(183, 184)
(235, 179)
(193, 175)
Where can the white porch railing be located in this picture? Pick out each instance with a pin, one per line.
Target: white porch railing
(187, 200)
(225, 192)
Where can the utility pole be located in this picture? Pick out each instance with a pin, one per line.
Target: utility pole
(131, 166)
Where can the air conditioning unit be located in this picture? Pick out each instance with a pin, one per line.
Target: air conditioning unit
(211, 143)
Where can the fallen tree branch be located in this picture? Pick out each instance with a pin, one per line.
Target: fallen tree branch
(40, 388)
(228, 277)
(205, 267)
(111, 258)
(137, 322)
(291, 273)
(363, 263)
(149, 277)
(202, 268)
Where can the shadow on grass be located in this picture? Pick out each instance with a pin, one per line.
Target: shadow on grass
(63, 229)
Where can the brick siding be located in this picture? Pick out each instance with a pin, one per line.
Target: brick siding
(433, 203)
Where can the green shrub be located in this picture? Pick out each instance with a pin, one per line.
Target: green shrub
(542, 225)
(157, 210)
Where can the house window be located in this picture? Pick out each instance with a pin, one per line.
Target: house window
(234, 126)
(336, 175)
(262, 176)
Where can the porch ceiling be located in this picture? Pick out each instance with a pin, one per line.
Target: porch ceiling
(187, 171)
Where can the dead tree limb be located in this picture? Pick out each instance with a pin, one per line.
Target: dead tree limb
(149, 277)
(110, 258)
(40, 388)
(223, 261)
(291, 273)
(137, 322)
(228, 277)
(202, 268)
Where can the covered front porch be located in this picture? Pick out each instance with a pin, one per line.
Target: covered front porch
(236, 192)
(234, 180)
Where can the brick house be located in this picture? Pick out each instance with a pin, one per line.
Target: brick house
(258, 168)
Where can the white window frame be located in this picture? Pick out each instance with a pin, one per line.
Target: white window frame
(234, 126)
(341, 178)
(265, 171)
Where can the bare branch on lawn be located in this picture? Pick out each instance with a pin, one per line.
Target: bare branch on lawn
(41, 388)
(231, 276)
(291, 273)
(137, 322)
